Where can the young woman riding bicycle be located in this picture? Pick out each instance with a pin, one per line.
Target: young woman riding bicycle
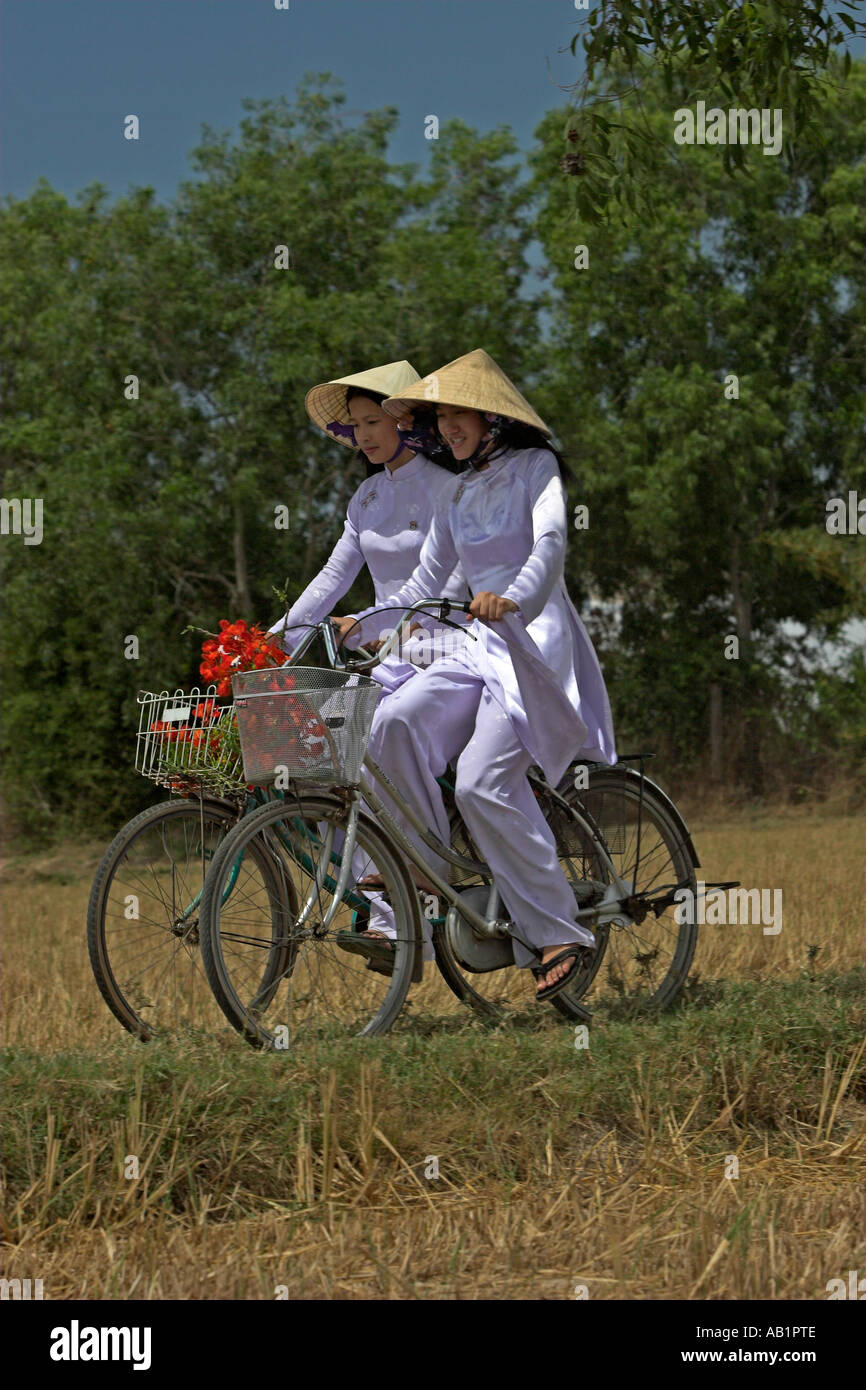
(532, 692)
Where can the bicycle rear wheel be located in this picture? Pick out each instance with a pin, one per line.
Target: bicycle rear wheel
(642, 963)
(509, 993)
(144, 913)
(330, 988)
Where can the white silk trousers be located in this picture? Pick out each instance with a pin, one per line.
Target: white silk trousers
(447, 712)
(381, 911)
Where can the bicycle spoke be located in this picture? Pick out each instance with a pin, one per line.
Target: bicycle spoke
(311, 985)
(143, 919)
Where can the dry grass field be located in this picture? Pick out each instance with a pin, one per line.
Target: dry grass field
(715, 1152)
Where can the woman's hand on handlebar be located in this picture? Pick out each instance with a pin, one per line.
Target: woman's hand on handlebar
(344, 626)
(490, 608)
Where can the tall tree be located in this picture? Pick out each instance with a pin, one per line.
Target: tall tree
(706, 376)
(781, 55)
(297, 253)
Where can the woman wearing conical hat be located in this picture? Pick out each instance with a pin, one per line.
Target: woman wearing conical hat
(388, 517)
(532, 691)
(387, 521)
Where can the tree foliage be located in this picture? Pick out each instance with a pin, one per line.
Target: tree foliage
(778, 55)
(159, 511)
(706, 373)
(706, 514)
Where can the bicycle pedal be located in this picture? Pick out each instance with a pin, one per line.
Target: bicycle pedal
(380, 968)
(378, 956)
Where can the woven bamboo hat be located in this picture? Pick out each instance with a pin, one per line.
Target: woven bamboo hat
(326, 404)
(474, 381)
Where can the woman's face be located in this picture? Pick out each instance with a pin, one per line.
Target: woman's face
(375, 431)
(461, 428)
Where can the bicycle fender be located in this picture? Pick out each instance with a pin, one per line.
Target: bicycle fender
(633, 776)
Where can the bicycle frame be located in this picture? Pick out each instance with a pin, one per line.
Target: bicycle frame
(608, 911)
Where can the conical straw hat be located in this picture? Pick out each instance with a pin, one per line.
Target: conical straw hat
(326, 404)
(474, 381)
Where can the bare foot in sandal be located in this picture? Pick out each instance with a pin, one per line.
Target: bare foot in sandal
(558, 964)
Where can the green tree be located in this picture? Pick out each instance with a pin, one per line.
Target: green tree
(704, 506)
(778, 55)
(160, 510)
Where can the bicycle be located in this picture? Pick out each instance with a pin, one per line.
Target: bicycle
(143, 915)
(326, 991)
(143, 910)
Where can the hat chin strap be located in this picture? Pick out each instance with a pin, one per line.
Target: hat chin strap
(497, 425)
(401, 445)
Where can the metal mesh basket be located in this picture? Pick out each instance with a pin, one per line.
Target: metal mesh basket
(189, 740)
(304, 723)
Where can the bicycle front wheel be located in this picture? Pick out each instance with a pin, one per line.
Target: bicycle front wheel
(331, 986)
(144, 913)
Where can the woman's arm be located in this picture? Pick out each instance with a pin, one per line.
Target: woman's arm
(538, 577)
(436, 568)
(456, 586)
(334, 579)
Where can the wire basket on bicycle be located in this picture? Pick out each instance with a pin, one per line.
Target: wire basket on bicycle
(189, 738)
(304, 723)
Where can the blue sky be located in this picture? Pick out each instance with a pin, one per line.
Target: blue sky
(70, 70)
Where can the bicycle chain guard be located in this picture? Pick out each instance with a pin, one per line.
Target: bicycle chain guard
(478, 954)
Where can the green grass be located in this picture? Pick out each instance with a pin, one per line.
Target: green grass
(219, 1116)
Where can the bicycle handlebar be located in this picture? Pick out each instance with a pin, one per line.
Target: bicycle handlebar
(325, 630)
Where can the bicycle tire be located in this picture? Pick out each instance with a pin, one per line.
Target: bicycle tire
(310, 810)
(625, 784)
(106, 961)
(504, 983)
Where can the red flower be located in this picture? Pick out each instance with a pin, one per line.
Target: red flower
(239, 648)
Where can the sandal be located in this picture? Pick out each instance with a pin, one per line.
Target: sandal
(379, 950)
(574, 953)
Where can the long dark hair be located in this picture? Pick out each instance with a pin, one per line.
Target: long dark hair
(514, 435)
(517, 435)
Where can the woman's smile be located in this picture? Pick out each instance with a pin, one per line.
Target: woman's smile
(462, 429)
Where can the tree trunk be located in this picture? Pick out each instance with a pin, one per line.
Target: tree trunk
(243, 598)
(750, 765)
(716, 761)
